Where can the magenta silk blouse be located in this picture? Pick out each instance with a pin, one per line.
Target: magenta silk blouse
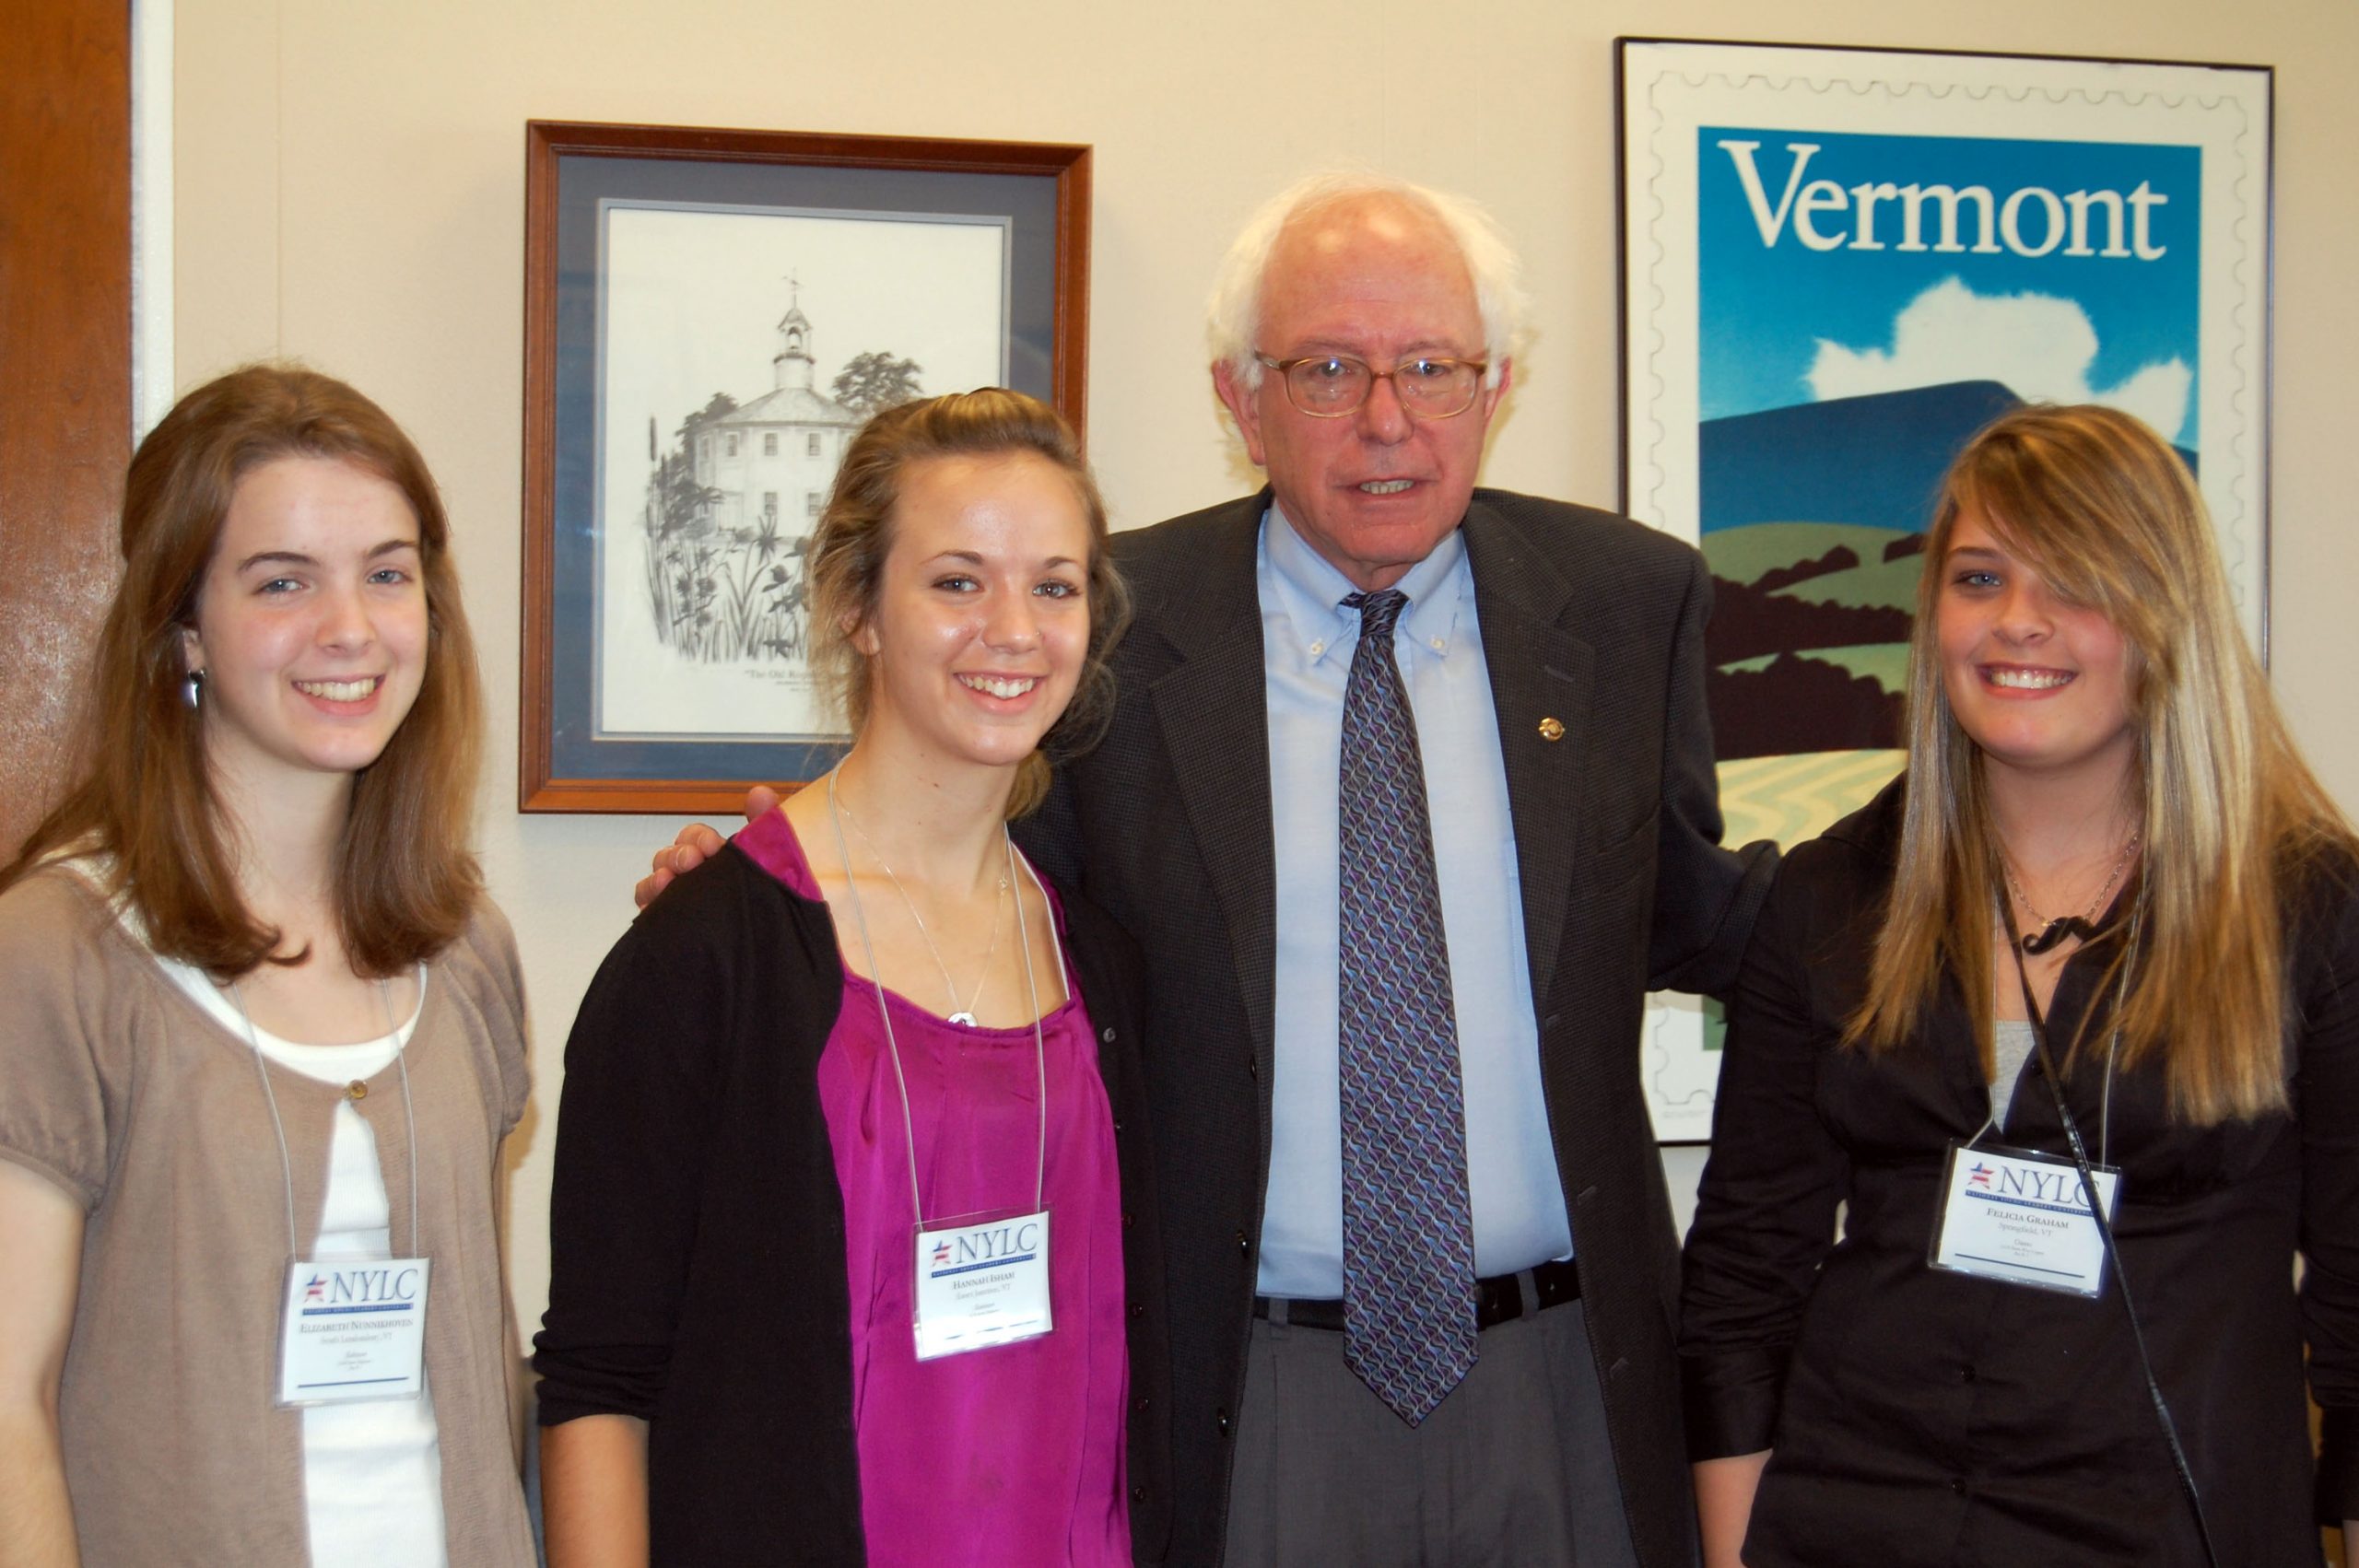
(1012, 1456)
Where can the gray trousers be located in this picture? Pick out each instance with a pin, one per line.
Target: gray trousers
(1514, 1468)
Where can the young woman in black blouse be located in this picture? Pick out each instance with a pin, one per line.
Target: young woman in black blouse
(2105, 826)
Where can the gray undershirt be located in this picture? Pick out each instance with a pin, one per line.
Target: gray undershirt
(2011, 1047)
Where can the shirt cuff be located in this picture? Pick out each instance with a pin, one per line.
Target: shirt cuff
(2338, 1484)
(1730, 1399)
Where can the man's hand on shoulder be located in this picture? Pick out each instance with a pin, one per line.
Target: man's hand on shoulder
(693, 846)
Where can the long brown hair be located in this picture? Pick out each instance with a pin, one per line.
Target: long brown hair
(406, 881)
(855, 534)
(2102, 508)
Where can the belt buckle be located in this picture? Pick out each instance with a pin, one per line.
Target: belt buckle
(1499, 1300)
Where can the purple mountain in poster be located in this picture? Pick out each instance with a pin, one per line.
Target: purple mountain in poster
(1875, 461)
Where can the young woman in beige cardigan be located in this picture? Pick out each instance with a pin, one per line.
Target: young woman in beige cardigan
(258, 1027)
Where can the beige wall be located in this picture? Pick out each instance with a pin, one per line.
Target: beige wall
(349, 189)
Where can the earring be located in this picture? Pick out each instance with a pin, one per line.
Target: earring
(192, 690)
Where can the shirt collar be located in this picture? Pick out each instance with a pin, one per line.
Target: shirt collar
(1310, 593)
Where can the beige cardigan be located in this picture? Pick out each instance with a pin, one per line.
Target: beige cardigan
(116, 1085)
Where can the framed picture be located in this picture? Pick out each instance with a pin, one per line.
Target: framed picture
(709, 317)
(1837, 264)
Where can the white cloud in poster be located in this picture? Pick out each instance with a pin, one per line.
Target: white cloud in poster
(2038, 346)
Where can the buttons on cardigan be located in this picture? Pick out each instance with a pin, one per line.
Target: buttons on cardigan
(1220, 1418)
(1957, 1484)
(356, 1090)
(1126, 1218)
(1141, 1403)
(1244, 1245)
(1138, 1309)
(1253, 1069)
(1107, 1035)
(1138, 1496)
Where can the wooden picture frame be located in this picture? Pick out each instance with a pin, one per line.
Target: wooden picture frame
(670, 482)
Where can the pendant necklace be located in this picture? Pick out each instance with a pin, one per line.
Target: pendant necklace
(961, 1015)
(2053, 933)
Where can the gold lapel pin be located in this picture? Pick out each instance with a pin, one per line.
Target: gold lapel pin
(1551, 728)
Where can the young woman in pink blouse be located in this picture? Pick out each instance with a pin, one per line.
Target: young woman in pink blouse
(850, 1258)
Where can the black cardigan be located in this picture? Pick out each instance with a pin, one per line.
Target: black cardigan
(697, 1227)
(1923, 1417)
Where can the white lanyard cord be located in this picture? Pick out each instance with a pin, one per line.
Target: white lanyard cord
(1032, 1000)
(287, 1166)
(885, 1016)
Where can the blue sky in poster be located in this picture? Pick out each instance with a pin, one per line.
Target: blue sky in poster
(1795, 309)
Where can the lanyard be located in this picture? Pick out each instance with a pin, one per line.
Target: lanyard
(2097, 1210)
(885, 1016)
(2038, 1024)
(286, 1166)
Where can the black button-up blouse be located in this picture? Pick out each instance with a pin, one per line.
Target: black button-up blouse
(1924, 1417)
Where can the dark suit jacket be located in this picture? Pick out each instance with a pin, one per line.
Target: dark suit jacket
(1587, 618)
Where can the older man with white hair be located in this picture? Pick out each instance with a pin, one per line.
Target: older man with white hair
(1409, 796)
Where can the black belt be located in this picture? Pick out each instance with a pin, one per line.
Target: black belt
(1497, 1300)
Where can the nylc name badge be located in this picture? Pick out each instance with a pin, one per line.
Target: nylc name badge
(353, 1332)
(2021, 1216)
(982, 1283)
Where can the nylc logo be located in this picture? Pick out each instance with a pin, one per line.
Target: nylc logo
(368, 1287)
(998, 1242)
(2040, 1185)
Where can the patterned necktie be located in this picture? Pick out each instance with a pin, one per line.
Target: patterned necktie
(1408, 1231)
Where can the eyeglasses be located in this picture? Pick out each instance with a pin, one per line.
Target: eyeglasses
(1329, 386)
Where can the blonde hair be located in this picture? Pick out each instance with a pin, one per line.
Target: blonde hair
(2102, 508)
(855, 534)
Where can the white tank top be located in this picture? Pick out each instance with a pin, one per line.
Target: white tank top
(372, 1473)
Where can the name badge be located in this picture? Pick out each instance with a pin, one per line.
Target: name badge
(2024, 1217)
(353, 1332)
(982, 1283)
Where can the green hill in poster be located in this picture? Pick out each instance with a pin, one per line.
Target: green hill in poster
(1809, 639)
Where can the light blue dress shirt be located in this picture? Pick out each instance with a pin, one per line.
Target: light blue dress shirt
(1307, 638)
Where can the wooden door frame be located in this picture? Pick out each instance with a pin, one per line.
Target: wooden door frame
(65, 342)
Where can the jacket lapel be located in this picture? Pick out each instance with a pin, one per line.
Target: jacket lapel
(1214, 711)
(1539, 671)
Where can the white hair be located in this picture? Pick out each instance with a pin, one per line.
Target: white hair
(1491, 261)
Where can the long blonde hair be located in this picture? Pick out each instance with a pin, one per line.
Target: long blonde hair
(2102, 508)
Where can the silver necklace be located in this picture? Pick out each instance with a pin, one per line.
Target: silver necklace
(885, 1015)
(964, 1015)
(2052, 933)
